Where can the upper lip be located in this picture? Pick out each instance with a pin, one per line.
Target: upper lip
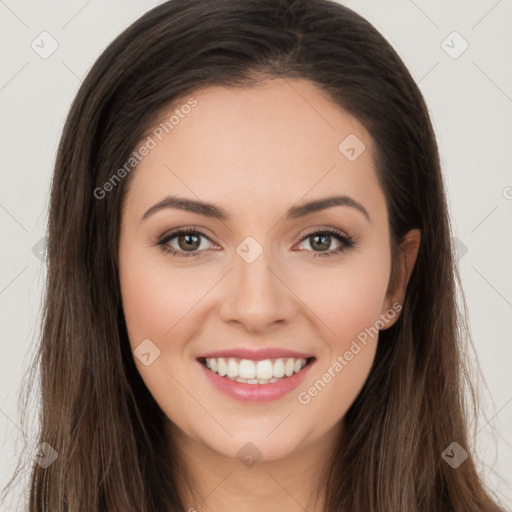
(257, 355)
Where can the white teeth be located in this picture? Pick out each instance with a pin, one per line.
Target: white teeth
(255, 372)
(264, 369)
(247, 369)
(254, 381)
(278, 369)
(222, 368)
(232, 368)
(297, 366)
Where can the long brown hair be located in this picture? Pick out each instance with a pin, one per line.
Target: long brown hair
(96, 412)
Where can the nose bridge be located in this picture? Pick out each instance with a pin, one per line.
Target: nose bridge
(257, 296)
(255, 278)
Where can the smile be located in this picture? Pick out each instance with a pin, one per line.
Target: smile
(255, 381)
(247, 371)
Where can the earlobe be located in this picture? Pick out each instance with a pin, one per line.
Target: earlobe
(403, 266)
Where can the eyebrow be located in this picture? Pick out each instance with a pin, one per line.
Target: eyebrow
(295, 212)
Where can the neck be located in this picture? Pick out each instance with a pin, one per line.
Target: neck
(211, 481)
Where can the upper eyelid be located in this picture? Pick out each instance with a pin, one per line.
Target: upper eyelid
(173, 233)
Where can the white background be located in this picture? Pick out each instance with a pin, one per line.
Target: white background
(470, 100)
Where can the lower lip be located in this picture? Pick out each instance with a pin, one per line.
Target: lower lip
(255, 393)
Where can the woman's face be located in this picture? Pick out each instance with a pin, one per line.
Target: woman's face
(266, 282)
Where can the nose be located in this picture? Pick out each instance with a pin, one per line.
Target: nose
(257, 296)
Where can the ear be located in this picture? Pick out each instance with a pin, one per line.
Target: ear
(402, 268)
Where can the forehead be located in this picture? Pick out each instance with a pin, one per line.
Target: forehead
(258, 147)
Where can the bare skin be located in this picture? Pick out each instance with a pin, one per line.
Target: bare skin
(255, 153)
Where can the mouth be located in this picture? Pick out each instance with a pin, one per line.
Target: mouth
(256, 380)
(252, 372)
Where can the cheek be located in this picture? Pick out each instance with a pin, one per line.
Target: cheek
(143, 305)
(331, 390)
(155, 296)
(347, 298)
(156, 303)
(348, 303)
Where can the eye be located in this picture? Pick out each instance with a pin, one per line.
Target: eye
(187, 241)
(322, 240)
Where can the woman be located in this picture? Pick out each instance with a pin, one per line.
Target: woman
(251, 290)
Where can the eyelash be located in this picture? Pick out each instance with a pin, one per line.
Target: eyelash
(346, 241)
